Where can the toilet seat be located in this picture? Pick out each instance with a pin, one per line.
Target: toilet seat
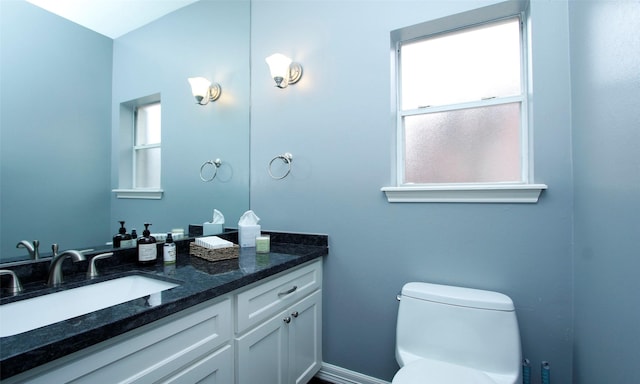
(427, 371)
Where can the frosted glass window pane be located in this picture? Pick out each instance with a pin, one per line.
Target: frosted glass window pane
(148, 168)
(466, 65)
(148, 120)
(476, 145)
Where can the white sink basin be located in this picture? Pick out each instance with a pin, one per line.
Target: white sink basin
(25, 315)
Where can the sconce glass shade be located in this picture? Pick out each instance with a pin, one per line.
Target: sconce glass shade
(203, 90)
(283, 70)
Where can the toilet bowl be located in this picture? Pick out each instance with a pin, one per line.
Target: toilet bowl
(433, 371)
(448, 334)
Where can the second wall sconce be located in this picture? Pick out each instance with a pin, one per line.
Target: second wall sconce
(283, 70)
(204, 91)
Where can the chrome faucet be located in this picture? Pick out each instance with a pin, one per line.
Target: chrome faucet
(55, 269)
(15, 287)
(92, 272)
(31, 248)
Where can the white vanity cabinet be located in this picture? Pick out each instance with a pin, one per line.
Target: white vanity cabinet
(279, 329)
(268, 332)
(191, 346)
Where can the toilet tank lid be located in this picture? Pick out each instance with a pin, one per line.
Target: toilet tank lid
(466, 297)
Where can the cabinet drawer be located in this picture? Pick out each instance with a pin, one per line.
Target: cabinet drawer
(265, 300)
(146, 354)
(215, 368)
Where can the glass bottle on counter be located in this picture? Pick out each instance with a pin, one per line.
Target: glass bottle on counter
(169, 250)
(147, 250)
(122, 238)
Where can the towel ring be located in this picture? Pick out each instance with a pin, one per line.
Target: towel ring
(287, 158)
(216, 163)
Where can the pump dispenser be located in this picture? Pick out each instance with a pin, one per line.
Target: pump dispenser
(122, 239)
(147, 251)
(169, 250)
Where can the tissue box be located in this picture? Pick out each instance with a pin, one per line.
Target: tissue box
(247, 235)
(212, 229)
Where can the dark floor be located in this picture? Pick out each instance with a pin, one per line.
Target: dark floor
(318, 381)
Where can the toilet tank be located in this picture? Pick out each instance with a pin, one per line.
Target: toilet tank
(464, 326)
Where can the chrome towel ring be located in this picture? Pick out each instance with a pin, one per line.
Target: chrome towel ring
(216, 164)
(287, 158)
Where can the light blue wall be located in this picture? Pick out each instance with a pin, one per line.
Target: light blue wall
(210, 39)
(337, 124)
(55, 128)
(605, 74)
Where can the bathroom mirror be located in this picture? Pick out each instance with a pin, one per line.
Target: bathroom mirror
(65, 102)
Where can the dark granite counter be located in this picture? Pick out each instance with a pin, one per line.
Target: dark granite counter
(199, 280)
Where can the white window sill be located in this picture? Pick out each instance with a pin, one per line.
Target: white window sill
(484, 193)
(154, 194)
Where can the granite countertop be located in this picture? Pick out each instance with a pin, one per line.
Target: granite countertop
(199, 280)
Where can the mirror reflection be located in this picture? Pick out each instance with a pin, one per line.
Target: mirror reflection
(68, 102)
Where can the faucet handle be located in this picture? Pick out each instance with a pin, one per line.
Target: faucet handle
(93, 271)
(36, 251)
(15, 286)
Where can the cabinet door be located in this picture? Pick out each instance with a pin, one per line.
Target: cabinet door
(262, 353)
(261, 302)
(305, 338)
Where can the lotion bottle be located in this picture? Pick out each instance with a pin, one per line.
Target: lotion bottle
(127, 240)
(117, 239)
(169, 250)
(147, 251)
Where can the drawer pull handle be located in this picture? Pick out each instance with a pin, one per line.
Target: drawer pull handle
(295, 314)
(287, 319)
(290, 290)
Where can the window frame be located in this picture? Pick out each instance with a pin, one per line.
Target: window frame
(507, 192)
(127, 152)
(137, 148)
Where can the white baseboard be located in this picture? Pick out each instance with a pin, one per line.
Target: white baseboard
(337, 375)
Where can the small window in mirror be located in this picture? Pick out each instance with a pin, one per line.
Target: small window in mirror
(139, 151)
(146, 147)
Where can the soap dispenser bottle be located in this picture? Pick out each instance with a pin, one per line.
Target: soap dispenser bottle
(147, 251)
(120, 236)
(127, 241)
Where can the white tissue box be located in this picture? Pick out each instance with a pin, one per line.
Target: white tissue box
(247, 235)
(212, 229)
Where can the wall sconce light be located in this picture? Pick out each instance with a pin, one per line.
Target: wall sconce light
(204, 91)
(283, 70)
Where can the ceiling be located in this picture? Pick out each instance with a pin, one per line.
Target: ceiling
(112, 18)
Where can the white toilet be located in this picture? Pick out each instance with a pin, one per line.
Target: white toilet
(453, 335)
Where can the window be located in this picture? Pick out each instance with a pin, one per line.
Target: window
(462, 126)
(139, 149)
(146, 146)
